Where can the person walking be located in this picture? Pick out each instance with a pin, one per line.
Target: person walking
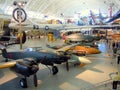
(118, 59)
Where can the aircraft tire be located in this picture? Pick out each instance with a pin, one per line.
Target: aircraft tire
(54, 70)
(23, 83)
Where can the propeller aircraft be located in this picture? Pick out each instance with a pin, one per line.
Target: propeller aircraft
(26, 62)
(81, 49)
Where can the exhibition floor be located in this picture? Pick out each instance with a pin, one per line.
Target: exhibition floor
(94, 76)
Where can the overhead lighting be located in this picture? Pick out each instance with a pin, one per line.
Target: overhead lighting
(20, 3)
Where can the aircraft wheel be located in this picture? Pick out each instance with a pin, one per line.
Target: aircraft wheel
(23, 83)
(54, 70)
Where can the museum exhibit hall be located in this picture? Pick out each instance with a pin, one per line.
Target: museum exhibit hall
(59, 44)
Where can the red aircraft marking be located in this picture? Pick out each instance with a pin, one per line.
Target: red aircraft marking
(10, 56)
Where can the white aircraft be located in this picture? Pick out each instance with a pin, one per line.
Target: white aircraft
(30, 24)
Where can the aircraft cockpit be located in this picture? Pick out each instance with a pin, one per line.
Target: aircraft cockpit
(33, 49)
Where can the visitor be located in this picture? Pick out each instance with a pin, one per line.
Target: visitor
(118, 59)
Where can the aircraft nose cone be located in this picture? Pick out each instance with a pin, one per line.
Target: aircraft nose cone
(84, 60)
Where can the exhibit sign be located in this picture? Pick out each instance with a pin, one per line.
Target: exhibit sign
(19, 15)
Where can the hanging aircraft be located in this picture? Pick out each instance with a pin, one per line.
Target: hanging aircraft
(114, 17)
(101, 17)
(26, 62)
(97, 19)
(103, 25)
(31, 24)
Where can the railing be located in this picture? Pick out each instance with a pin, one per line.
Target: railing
(104, 84)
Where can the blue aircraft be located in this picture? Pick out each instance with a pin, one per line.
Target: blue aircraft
(26, 62)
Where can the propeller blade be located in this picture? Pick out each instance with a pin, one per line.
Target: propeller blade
(35, 80)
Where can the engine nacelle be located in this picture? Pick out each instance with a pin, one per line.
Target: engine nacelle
(26, 67)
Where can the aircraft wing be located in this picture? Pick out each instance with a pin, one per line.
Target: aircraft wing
(12, 63)
(25, 67)
(36, 26)
(30, 24)
(65, 48)
(7, 64)
(107, 26)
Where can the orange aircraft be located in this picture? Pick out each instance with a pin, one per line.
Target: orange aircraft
(85, 50)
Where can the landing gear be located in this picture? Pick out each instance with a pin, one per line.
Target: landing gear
(35, 80)
(23, 82)
(54, 70)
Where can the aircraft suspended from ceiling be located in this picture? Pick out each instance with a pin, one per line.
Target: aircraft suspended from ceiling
(32, 25)
(114, 17)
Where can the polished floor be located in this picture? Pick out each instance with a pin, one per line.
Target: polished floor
(94, 76)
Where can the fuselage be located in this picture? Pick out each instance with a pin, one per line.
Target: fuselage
(47, 58)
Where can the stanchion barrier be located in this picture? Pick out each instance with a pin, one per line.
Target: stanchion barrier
(1, 24)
